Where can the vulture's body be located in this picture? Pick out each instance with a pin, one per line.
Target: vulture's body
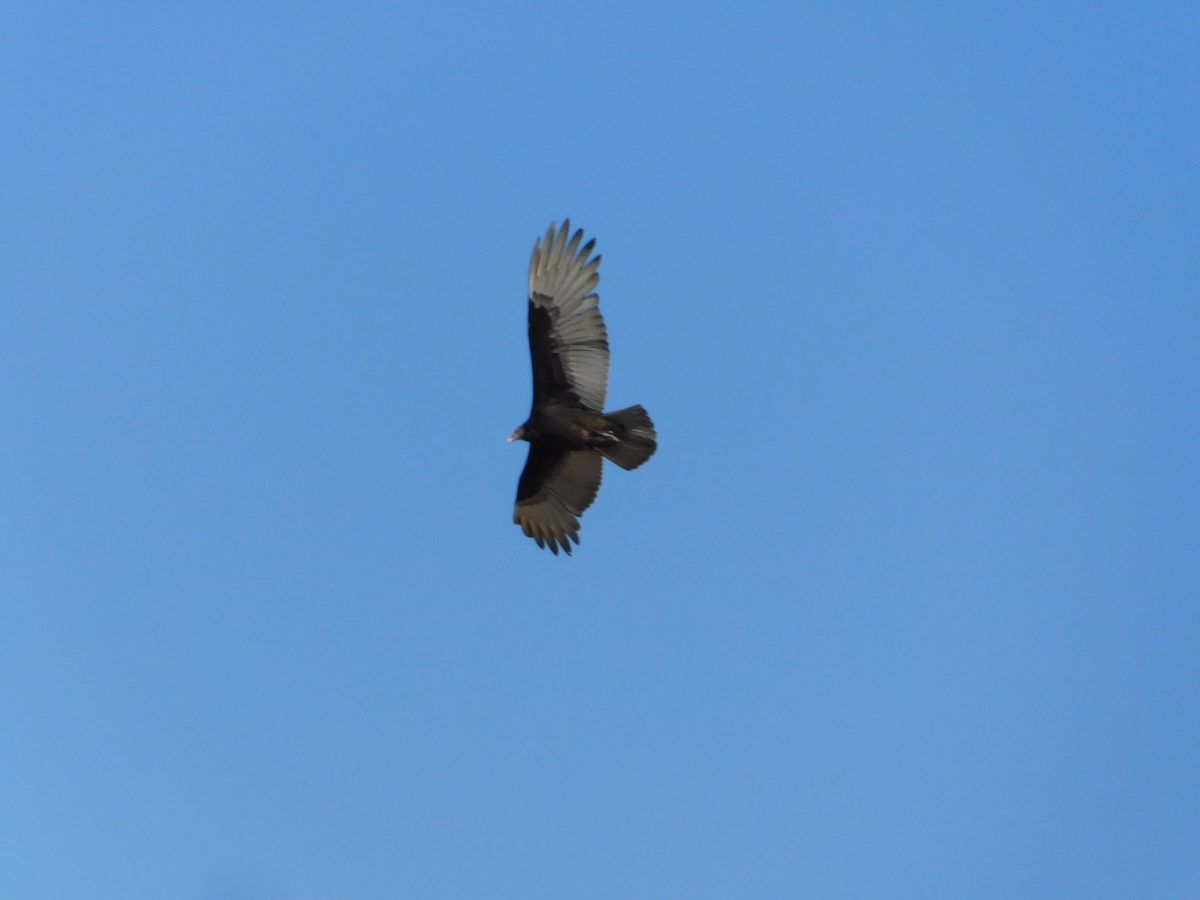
(568, 432)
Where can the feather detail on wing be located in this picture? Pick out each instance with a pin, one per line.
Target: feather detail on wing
(556, 486)
(567, 337)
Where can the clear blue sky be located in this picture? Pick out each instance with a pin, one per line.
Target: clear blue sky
(906, 606)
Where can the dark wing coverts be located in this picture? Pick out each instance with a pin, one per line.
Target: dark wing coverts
(567, 338)
(556, 486)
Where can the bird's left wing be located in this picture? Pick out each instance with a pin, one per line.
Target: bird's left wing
(556, 486)
(567, 337)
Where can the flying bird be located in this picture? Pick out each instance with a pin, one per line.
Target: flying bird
(569, 433)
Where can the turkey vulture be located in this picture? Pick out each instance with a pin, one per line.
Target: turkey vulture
(568, 431)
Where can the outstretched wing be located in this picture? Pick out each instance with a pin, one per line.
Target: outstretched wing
(567, 338)
(556, 486)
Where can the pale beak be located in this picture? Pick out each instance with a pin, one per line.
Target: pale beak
(516, 435)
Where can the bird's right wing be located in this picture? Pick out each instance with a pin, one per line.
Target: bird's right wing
(556, 486)
(567, 337)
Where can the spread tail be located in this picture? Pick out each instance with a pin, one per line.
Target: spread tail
(638, 438)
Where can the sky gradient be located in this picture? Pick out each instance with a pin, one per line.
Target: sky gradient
(905, 606)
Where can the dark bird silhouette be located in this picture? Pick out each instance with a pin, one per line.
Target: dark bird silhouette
(569, 434)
